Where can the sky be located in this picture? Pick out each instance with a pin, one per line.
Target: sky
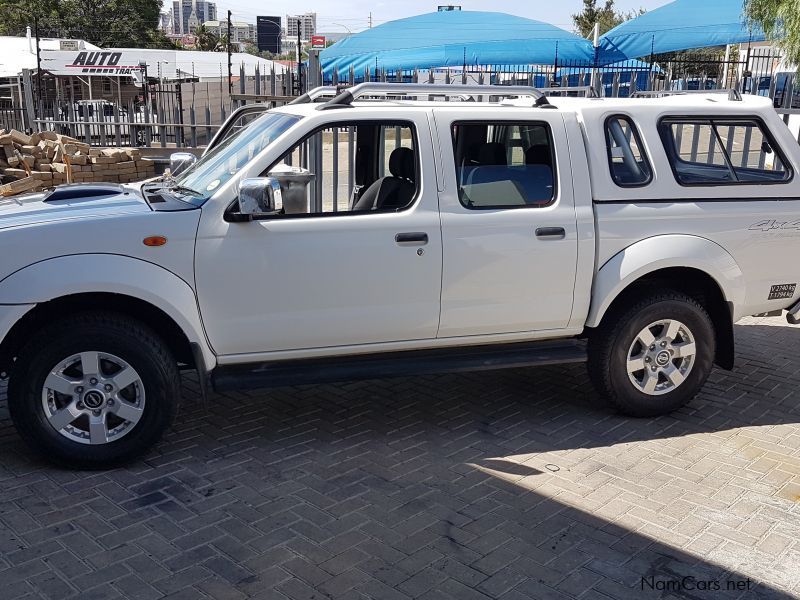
(342, 15)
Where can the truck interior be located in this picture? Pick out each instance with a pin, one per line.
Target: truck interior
(347, 167)
(504, 163)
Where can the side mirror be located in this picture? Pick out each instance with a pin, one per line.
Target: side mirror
(180, 161)
(259, 196)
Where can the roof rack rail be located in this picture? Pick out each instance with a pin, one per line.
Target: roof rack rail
(733, 94)
(346, 97)
(317, 92)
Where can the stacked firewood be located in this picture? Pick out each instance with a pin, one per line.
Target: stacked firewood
(47, 159)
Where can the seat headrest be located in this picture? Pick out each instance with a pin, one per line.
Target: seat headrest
(401, 163)
(538, 155)
(492, 153)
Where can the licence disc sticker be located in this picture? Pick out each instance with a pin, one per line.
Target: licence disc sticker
(782, 291)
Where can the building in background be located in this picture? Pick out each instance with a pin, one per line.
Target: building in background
(268, 34)
(188, 14)
(307, 23)
(289, 46)
(194, 22)
(241, 32)
(165, 22)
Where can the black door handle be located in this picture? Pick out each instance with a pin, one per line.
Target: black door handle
(551, 232)
(413, 238)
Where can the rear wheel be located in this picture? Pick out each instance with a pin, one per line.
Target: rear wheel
(93, 391)
(653, 357)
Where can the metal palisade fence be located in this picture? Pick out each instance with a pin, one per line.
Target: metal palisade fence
(176, 114)
(158, 113)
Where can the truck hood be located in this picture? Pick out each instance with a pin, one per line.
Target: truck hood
(75, 201)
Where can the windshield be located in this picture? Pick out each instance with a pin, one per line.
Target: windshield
(222, 163)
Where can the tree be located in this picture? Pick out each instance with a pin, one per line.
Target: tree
(695, 63)
(222, 44)
(591, 14)
(251, 48)
(780, 20)
(606, 16)
(158, 39)
(14, 17)
(205, 39)
(107, 23)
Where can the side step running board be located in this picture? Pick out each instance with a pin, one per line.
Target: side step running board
(397, 364)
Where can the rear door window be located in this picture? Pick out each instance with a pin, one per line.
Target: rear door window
(504, 164)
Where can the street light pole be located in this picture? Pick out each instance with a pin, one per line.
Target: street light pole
(345, 27)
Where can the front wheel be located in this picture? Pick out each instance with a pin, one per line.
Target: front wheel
(94, 390)
(653, 357)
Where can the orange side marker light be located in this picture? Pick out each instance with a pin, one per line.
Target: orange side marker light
(154, 240)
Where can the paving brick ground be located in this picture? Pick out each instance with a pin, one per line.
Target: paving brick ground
(502, 485)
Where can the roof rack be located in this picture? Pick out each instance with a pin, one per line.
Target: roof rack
(317, 92)
(346, 97)
(733, 94)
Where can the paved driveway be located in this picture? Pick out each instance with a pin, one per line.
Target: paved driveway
(501, 485)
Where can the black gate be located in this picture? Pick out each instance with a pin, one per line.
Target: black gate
(164, 102)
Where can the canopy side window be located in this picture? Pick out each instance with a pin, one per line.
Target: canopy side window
(627, 159)
(722, 151)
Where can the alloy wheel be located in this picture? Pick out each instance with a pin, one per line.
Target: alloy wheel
(661, 357)
(93, 398)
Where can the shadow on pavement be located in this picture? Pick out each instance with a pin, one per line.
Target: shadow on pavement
(503, 485)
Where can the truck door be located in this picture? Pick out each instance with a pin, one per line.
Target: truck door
(509, 229)
(354, 258)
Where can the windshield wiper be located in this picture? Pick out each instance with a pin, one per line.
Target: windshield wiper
(188, 190)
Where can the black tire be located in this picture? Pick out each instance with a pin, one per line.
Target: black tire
(610, 344)
(104, 332)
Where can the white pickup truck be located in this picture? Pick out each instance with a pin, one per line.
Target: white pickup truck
(379, 234)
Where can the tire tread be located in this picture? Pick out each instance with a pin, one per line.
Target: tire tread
(603, 339)
(21, 387)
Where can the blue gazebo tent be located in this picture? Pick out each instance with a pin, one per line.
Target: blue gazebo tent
(454, 38)
(679, 25)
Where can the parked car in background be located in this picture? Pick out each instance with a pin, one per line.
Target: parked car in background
(787, 90)
(757, 85)
(694, 84)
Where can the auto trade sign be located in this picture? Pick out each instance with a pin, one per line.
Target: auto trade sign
(110, 63)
